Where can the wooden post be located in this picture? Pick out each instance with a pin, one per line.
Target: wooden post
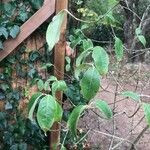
(59, 62)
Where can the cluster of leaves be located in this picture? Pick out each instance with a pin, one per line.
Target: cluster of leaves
(136, 97)
(88, 14)
(90, 66)
(16, 131)
(46, 107)
(19, 133)
(13, 14)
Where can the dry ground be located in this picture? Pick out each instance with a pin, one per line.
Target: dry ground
(127, 123)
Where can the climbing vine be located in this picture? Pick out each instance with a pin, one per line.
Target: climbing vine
(91, 65)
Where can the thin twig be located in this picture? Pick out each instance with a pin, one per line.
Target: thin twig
(138, 137)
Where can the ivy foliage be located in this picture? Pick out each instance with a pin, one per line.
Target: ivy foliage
(18, 132)
(13, 14)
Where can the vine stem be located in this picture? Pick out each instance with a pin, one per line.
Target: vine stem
(138, 137)
(114, 136)
(64, 139)
(82, 137)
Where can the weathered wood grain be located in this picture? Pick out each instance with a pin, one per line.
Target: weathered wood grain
(59, 63)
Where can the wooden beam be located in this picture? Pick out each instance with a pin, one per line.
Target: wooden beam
(59, 62)
(29, 27)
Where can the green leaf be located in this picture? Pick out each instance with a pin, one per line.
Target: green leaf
(3, 31)
(54, 28)
(101, 59)
(22, 15)
(23, 146)
(87, 44)
(40, 84)
(118, 49)
(79, 69)
(36, 4)
(47, 65)
(52, 78)
(32, 104)
(58, 86)
(47, 83)
(90, 83)
(104, 108)
(138, 31)
(74, 118)
(142, 39)
(62, 147)
(82, 56)
(34, 56)
(47, 86)
(146, 108)
(46, 112)
(131, 95)
(75, 42)
(68, 66)
(14, 147)
(68, 60)
(9, 9)
(59, 112)
(33, 99)
(14, 31)
(1, 45)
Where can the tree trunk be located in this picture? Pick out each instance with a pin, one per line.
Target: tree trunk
(130, 25)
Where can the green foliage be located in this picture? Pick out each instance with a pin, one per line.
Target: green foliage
(146, 108)
(104, 108)
(3, 31)
(58, 86)
(101, 60)
(1, 45)
(14, 31)
(74, 118)
(36, 4)
(53, 30)
(46, 112)
(48, 109)
(131, 95)
(118, 49)
(43, 107)
(82, 56)
(73, 93)
(59, 112)
(79, 69)
(68, 65)
(90, 80)
(33, 99)
(13, 14)
(17, 132)
(87, 44)
(140, 37)
(88, 14)
(32, 104)
(40, 84)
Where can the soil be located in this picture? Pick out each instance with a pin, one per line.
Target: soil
(121, 131)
